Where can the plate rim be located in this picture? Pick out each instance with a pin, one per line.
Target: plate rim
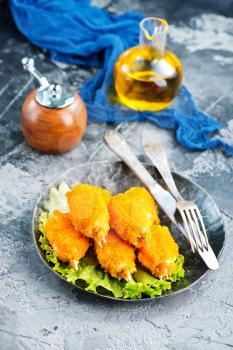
(112, 298)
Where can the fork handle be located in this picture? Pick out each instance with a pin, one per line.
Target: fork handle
(158, 156)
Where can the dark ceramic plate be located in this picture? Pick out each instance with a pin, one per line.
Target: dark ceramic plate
(116, 177)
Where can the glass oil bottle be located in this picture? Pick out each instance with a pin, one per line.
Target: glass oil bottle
(147, 77)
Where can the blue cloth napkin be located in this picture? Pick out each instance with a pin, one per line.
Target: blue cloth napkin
(75, 32)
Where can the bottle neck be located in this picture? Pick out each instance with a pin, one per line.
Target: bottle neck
(153, 34)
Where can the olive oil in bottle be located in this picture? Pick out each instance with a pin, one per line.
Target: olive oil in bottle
(147, 77)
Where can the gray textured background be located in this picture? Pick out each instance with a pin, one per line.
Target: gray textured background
(39, 311)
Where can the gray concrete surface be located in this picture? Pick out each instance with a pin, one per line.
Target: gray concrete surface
(39, 311)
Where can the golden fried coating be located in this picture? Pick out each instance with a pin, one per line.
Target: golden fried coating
(158, 252)
(88, 207)
(116, 256)
(69, 244)
(133, 213)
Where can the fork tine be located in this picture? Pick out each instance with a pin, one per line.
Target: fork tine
(203, 226)
(187, 230)
(192, 224)
(200, 235)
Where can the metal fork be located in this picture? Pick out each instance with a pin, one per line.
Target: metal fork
(190, 213)
(165, 199)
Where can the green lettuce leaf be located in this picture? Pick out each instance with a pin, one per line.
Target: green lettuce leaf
(145, 284)
(42, 222)
(92, 277)
(179, 273)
